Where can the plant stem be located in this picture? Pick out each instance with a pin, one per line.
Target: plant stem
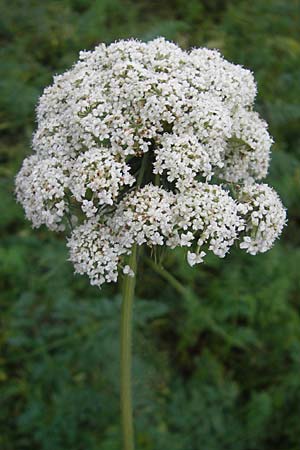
(126, 344)
(157, 179)
(168, 276)
(142, 169)
(190, 297)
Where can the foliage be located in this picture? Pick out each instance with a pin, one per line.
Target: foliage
(217, 353)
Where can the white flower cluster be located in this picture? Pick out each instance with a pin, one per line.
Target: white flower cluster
(143, 217)
(141, 143)
(41, 189)
(205, 214)
(264, 217)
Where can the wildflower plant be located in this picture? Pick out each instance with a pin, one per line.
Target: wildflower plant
(145, 144)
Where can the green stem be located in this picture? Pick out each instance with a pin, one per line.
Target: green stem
(126, 343)
(157, 179)
(142, 168)
(190, 297)
(169, 277)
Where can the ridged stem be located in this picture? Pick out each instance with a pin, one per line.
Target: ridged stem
(126, 356)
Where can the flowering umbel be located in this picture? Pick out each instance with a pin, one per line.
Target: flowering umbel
(144, 143)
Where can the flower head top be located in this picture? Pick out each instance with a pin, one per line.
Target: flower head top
(141, 143)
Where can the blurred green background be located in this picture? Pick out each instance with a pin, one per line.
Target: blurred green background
(217, 362)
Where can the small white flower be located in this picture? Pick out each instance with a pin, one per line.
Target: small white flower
(194, 258)
(128, 271)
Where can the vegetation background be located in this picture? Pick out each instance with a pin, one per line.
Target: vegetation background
(217, 358)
